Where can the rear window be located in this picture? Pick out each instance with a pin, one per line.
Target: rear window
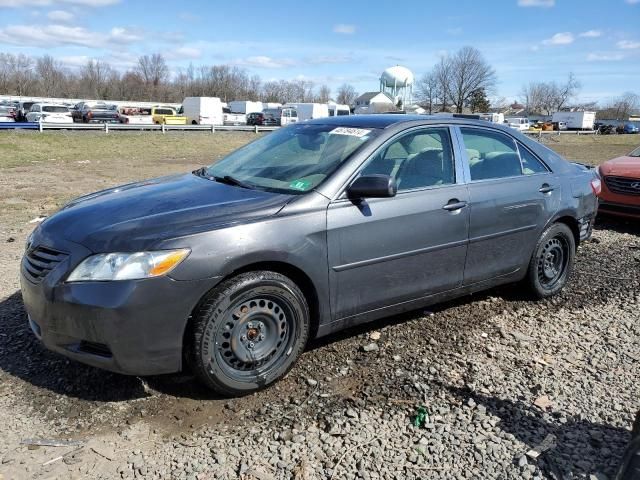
(54, 109)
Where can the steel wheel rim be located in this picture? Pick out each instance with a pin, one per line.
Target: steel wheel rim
(553, 261)
(255, 336)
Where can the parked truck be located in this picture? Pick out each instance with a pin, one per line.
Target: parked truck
(336, 109)
(518, 123)
(167, 116)
(202, 110)
(309, 111)
(492, 117)
(245, 106)
(135, 115)
(576, 120)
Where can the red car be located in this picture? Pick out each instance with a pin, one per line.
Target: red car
(620, 193)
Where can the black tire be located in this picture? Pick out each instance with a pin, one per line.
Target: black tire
(248, 332)
(552, 261)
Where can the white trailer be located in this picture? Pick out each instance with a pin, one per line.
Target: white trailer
(518, 123)
(202, 110)
(245, 106)
(576, 120)
(309, 111)
(336, 110)
(492, 117)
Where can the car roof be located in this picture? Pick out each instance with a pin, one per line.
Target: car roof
(388, 120)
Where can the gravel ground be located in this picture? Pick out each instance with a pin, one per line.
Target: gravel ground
(497, 375)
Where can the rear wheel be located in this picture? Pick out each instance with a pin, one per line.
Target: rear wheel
(248, 332)
(552, 261)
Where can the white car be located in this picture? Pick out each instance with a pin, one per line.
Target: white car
(5, 115)
(49, 113)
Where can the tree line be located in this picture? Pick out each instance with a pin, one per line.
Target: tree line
(151, 80)
(459, 81)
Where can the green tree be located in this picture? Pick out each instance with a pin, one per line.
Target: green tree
(478, 101)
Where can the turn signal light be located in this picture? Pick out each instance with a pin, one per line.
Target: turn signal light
(596, 186)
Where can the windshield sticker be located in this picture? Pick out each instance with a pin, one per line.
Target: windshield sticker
(354, 132)
(302, 185)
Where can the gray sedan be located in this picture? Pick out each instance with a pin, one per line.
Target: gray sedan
(321, 225)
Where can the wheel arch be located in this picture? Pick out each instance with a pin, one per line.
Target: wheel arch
(572, 223)
(296, 274)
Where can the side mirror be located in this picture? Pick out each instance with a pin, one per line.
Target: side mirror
(373, 186)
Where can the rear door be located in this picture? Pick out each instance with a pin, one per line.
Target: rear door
(512, 195)
(384, 251)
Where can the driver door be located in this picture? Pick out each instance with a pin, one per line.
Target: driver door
(386, 251)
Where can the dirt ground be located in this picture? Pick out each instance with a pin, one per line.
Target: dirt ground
(43, 395)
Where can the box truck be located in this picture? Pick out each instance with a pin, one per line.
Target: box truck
(245, 106)
(576, 120)
(309, 111)
(519, 123)
(492, 117)
(336, 109)
(202, 110)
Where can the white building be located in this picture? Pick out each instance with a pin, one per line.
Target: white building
(373, 102)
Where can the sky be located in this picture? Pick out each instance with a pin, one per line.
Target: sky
(352, 41)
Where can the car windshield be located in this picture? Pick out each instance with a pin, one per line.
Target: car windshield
(635, 153)
(294, 159)
(55, 109)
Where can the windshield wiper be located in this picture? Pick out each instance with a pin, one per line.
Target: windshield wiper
(229, 180)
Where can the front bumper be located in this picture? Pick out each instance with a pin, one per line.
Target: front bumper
(103, 120)
(620, 209)
(132, 327)
(613, 203)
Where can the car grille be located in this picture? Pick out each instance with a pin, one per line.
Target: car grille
(40, 261)
(623, 185)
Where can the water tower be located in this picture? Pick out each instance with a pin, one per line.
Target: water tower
(398, 83)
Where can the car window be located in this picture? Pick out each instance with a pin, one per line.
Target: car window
(55, 109)
(423, 158)
(491, 154)
(294, 159)
(530, 163)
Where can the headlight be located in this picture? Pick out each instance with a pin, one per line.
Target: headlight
(127, 266)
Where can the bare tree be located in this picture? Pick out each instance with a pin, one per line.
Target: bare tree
(97, 80)
(549, 97)
(346, 94)
(51, 77)
(154, 71)
(442, 73)
(324, 94)
(469, 72)
(427, 91)
(621, 108)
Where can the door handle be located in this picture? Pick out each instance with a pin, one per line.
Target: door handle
(546, 188)
(454, 205)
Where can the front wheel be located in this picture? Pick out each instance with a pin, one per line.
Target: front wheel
(552, 261)
(249, 332)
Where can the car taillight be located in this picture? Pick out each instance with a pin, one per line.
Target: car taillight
(89, 114)
(596, 186)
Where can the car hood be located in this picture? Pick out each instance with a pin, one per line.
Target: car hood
(622, 166)
(140, 215)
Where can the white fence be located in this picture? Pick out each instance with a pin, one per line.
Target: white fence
(110, 127)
